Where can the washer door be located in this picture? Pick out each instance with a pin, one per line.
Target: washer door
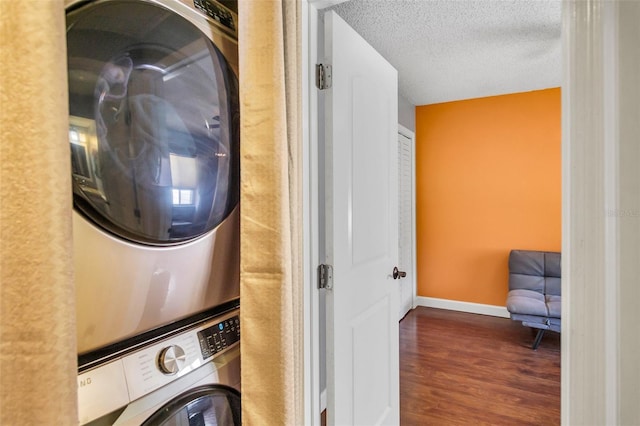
(212, 405)
(154, 123)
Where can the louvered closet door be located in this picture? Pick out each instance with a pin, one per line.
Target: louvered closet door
(405, 221)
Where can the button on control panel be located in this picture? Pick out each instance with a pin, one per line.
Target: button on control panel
(171, 359)
(219, 336)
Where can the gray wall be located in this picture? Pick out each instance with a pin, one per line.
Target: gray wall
(406, 113)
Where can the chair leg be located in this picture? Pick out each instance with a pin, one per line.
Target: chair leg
(536, 342)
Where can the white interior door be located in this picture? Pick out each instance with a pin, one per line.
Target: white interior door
(405, 223)
(361, 230)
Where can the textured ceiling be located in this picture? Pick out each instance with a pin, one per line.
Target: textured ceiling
(446, 50)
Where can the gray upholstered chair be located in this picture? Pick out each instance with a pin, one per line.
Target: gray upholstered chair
(534, 290)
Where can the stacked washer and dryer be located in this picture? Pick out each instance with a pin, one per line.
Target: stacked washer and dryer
(154, 136)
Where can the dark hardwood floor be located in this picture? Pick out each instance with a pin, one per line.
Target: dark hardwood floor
(465, 369)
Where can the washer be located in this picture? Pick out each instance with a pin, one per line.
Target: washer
(189, 378)
(154, 137)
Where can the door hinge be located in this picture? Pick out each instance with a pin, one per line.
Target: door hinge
(323, 76)
(325, 276)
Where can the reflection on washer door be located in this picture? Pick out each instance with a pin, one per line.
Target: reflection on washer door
(154, 123)
(217, 406)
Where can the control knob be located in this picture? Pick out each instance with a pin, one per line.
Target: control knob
(171, 359)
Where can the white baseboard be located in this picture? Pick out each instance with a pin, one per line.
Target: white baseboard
(455, 305)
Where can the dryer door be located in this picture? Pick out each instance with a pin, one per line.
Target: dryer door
(154, 122)
(212, 405)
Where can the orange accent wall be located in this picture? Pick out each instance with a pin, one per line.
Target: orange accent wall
(488, 180)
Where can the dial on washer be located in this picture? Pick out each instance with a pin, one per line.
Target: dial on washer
(171, 359)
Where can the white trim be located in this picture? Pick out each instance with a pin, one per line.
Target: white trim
(600, 205)
(567, 108)
(610, 124)
(456, 305)
(310, 215)
(587, 185)
(405, 132)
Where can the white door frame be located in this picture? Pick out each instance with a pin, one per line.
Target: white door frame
(601, 213)
(414, 278)
(311, 132)
(311, 235)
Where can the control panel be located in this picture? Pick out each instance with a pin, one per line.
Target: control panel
(216, 12)
(219, 336)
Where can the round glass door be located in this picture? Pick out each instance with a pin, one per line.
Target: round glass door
(154, 123)
(212, 405)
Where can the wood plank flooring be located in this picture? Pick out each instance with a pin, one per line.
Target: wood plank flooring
(465, 369)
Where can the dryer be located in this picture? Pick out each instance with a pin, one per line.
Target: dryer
(154, 137)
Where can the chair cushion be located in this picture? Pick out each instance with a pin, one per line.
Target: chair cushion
(526, 302)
